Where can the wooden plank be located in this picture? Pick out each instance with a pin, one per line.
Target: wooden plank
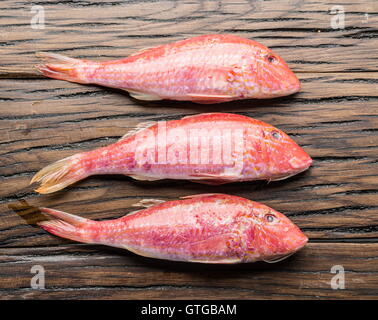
(334, 118)
(87, 272)
(300, 31)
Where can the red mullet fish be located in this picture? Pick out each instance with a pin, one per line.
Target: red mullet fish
(207, 228)
(213, 148)
(203, 69)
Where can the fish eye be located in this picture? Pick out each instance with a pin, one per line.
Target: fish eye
(276, 134)
(270, 217)
(271, 58)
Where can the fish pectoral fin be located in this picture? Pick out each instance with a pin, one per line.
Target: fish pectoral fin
(143, 96)
(148, 203)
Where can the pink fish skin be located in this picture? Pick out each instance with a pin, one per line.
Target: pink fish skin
(204, 69)
(208, 228)
(213, 148)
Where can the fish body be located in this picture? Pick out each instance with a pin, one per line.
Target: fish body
(212, 148)
(204, 69)
(209, 228)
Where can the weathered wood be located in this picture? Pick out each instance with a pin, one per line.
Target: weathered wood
(300, 31)
(334, 118)
(86, 272)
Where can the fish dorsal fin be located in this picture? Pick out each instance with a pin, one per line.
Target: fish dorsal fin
(201, 195)
(193, 116)
(139, 127)
(146, 203)
(143, 96)
(140, 51)
(219, 115)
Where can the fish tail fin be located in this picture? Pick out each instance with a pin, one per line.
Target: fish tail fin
(60, 174)
(61, 67)
(68, 226)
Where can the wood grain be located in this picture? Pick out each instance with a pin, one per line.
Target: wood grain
(334, 118)
(82, 272)
(300, 31)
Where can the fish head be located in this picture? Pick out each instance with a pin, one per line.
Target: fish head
(273, 76)
(273, 236)
(284, 156)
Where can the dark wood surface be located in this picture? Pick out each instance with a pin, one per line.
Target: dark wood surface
(334, 118)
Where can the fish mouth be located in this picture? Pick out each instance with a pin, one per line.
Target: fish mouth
(302, 243)
(298, 170)
(299, 163)
(294, 84)
(293, 89)
(280, 257)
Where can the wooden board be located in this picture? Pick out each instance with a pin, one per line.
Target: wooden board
(334, 118)
(83, 272)
(299, 30)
